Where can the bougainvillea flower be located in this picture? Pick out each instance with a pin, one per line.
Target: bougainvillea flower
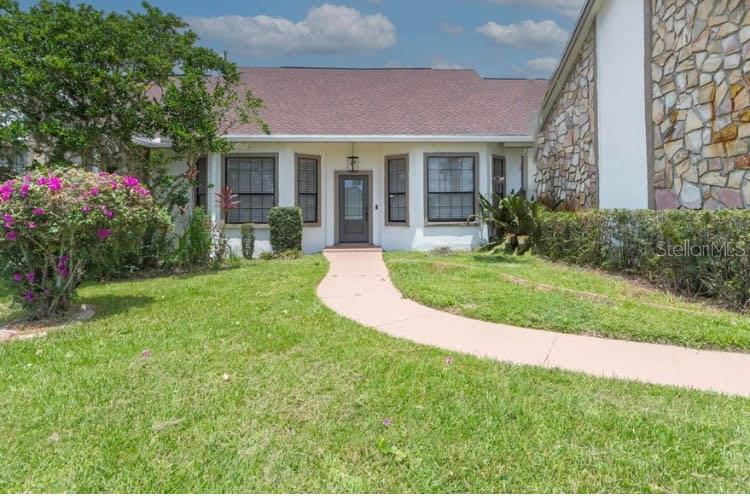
(31, 225)
(31, 278)
(38, 211)
(8, 221)
(94, 191)
(6, 189)
(25, 190)
(142, 191)
(42, 181)
(18, 277)
(28, 296)
(85, 209)
(130, 181)
(103, 234)
(11, 235)
(107, 213)
(54, 183)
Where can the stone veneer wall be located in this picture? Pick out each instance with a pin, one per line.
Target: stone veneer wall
(566, 144)
(700, 70)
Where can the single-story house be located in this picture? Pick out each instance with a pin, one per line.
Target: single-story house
(650, 107)
(395, 158)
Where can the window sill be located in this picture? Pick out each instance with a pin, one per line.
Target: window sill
(428, 223)
(234, 225)
(310, 224)
(397, 224)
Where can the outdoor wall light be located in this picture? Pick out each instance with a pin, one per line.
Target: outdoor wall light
(352, 161)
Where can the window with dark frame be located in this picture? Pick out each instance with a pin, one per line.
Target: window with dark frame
(253, 180)
(398, 184)
(201, 190)
(16, 166)
(307, 188)
(450, 188)
(498, 176)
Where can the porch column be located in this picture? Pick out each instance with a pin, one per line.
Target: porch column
(214, 180)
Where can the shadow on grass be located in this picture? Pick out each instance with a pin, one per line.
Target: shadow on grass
(502, 258)
(151, 274)
(106, 306)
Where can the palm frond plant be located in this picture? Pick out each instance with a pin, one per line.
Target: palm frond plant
(511, 222)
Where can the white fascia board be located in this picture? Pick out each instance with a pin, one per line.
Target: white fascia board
(511, 140)
(394, 138)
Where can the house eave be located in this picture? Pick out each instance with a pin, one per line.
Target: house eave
(510, 139)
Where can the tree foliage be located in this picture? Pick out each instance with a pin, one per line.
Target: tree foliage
(79, 84)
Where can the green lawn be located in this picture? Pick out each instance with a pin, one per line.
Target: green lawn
(304, 407)
(7, 311)
(530, 292)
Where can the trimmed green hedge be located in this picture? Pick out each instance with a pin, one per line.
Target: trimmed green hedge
(286, 229)
(696, 252)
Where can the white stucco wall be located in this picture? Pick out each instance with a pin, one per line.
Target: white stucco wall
(531, 173)
(514, 157)
(415, 236)
(623, 170)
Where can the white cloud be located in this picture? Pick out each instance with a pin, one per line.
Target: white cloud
(447, 27)
(570, 8)
(326, 29)
(542, 66)
(526, 34)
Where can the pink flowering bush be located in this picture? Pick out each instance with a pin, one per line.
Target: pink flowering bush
(56, 225)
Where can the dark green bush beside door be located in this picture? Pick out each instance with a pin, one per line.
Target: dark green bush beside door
(286, 229)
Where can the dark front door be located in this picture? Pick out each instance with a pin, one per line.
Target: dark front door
(354, 215)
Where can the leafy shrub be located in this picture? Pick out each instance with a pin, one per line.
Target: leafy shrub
(288, 255)
(696, 252)
(286, 228)
(511, 222)
(247, 232)
(153, 251)
(195, 244)
(56, 225)
(282, 255)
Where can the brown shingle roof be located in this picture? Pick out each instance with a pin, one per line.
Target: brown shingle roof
(313, 101)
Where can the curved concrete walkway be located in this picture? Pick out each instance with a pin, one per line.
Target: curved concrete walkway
(358, 286)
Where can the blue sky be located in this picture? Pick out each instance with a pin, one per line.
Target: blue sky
(498, 38)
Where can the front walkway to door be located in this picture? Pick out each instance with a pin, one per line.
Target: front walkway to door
(358, 286)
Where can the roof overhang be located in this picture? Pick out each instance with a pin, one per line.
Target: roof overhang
(515, 139)
(572, 49)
